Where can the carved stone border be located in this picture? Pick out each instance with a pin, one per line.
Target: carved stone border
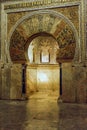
(82, 31)
(37, 4)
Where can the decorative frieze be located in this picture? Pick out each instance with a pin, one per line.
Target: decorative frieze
(36, 3)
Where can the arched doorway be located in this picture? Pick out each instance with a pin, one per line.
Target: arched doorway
(44, 26)
(42, 72)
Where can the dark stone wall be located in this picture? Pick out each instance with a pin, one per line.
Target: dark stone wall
(0, 30)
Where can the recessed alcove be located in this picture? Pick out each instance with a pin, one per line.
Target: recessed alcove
(42, 50)
(43, 71)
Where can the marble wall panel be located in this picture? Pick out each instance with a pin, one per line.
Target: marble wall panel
(68, 90)
(31, 80)
(80, 83)
(56, 80)
(74, 83)
(6, 77)
(16, 82)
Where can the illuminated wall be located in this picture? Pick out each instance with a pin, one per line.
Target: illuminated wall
(42, 78)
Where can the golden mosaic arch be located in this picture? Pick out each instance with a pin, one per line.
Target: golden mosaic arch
(43, 21)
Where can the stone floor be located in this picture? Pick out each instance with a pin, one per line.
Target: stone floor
(42, 114)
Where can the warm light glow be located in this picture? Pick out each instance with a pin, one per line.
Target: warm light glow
(42, 77)
(45, 57)
(30, 53)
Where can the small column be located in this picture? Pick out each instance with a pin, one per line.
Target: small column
(60, 98)
(37, 56)
(16, 82)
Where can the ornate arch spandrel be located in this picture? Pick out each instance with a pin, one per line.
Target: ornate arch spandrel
(53, 16)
